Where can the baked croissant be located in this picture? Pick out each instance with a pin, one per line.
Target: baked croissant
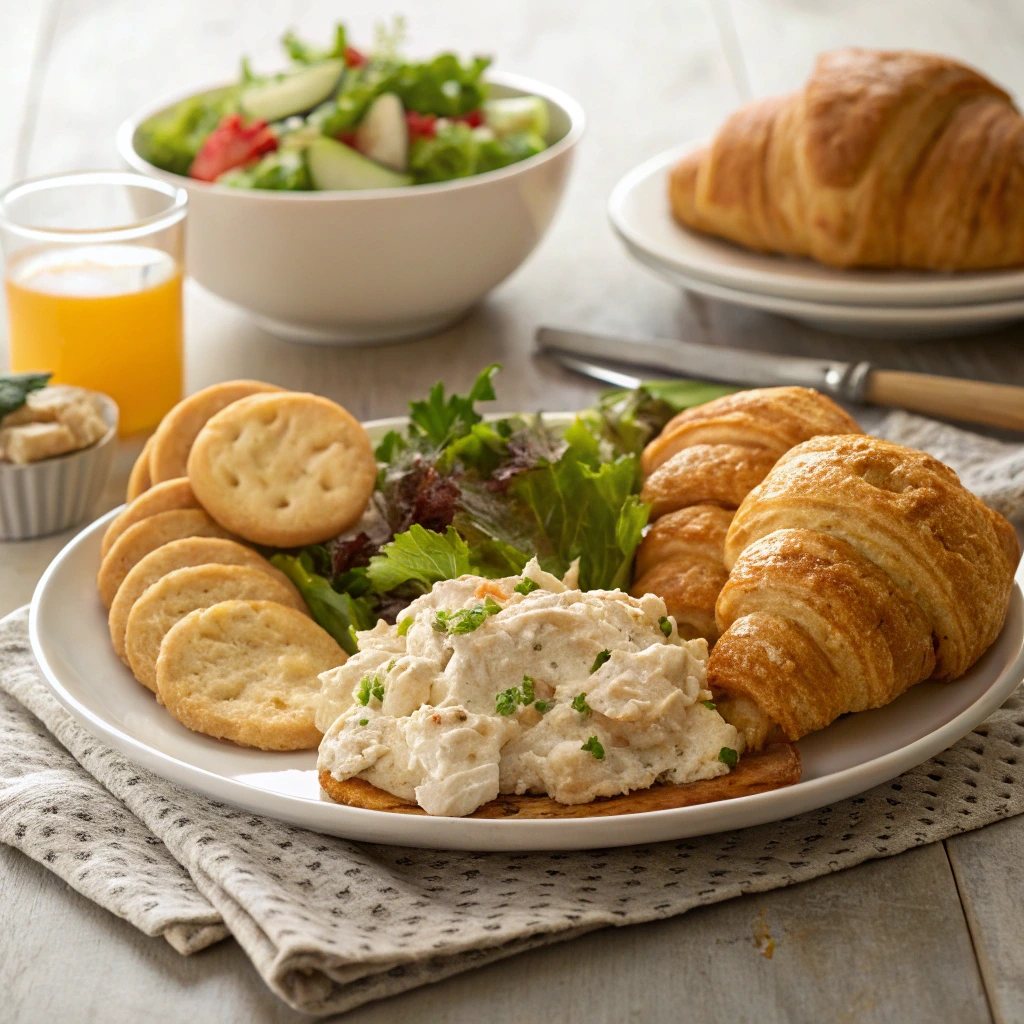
(701, 466)
(858, 568)
(883, 159)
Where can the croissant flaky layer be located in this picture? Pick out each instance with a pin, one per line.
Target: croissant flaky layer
(858, 568)
(884, 159)
(682, 561)
(701, 466)
(830, 629)
(772, 419)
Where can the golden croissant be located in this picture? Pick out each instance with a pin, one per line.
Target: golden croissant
(858, 568)
(884, 159)
(698, 470)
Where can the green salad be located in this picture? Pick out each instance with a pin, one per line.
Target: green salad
(347, 118)
(460, 494)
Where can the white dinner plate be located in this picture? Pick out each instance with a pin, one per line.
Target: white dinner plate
(68, 628)
(639, 212)
(904, 323)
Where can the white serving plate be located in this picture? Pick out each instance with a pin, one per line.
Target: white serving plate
(639, 211)
(68, 629)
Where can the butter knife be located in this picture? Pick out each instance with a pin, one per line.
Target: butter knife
(970, 401)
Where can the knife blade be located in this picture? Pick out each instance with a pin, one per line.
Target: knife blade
(953, 398)
(845, 381)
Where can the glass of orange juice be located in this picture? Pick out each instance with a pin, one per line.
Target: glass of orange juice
(93, 279)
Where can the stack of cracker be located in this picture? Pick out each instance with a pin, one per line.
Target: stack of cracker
(201, 617)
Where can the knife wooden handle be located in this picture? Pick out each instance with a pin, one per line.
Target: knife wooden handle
(971, 401)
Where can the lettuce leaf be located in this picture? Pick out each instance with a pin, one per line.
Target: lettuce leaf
(303, 53)
(337, 612)
(451, 153)
(509, 149)
(587, 509)
(419, 557)
(457, 151)
(443, 86)
(283, 169)
(629, 419)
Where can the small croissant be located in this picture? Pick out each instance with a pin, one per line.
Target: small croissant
(884, 159)
(698, 470)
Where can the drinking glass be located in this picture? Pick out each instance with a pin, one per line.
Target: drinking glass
(93, 276)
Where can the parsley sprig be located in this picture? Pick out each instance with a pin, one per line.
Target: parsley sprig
(466, 619)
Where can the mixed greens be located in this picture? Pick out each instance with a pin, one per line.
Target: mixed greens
(342, 118)
(459, 494)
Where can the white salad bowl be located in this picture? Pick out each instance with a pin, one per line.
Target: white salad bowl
(357, 267)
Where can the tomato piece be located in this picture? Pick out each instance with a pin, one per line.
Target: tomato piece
(231, 144)
(421, 125)
(474, 118)
(354, 58)
(349, 138)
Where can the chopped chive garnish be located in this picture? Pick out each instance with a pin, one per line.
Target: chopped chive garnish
(579, 703)
(600, 660)
(370, 686)
(666, 626)
(593, 746)
(403, 626)
(728, 756)
(709, 704)
(526, 587)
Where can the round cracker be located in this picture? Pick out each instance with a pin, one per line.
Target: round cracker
(247, 671)
(159, 498)
(173, 438)
(139, 479)
(139, 539)
(183, 591)
(180, 554)
(284, 469)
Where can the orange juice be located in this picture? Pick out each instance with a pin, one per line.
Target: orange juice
(106, 317)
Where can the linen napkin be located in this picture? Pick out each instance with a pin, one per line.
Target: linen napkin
(331, 924)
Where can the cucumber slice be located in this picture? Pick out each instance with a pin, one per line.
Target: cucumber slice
(517, 114)
(333, 165)
(296, 93)
(382, 135)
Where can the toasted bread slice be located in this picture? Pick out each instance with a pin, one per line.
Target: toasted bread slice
(776, 766)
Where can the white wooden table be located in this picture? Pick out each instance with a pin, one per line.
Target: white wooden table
(932, 935)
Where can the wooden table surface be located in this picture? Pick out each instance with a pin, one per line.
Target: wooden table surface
(933, 935)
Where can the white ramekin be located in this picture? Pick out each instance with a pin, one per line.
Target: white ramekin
(55, 494)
